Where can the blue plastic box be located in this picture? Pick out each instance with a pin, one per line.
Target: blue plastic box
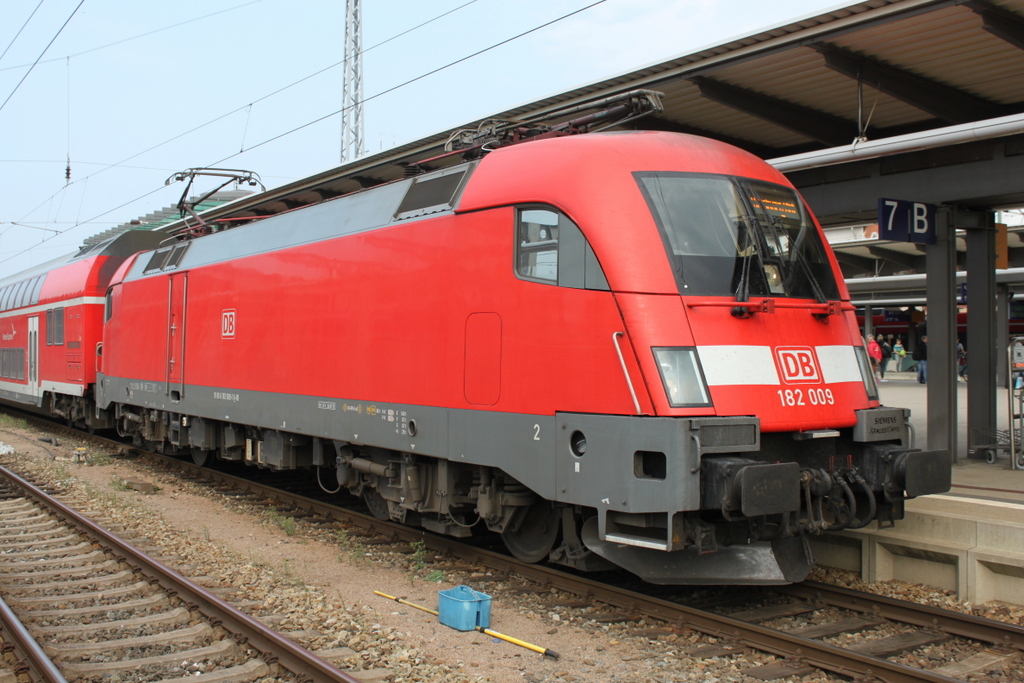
(463, 608)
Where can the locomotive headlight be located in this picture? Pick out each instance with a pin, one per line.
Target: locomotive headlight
(682, 376)
(866, 373)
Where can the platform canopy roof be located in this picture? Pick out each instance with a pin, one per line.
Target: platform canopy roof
(874, 70)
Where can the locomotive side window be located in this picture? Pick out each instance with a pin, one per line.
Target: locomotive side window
(550, 248)
(176, 255)
(431, 194)
(537, 245)
(156, 261)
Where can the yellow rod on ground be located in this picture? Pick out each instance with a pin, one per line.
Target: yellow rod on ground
(486, 631)
(406, 602)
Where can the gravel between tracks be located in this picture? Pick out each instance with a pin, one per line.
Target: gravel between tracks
(300, 577)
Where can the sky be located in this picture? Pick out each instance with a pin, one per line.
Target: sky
(133, 92)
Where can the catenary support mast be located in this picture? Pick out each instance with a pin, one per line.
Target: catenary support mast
(352, 144)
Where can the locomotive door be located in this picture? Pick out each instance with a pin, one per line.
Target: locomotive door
(33, 355)
(177, 292)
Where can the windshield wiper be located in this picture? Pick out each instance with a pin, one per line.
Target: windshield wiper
(748, 254)
(797, 256)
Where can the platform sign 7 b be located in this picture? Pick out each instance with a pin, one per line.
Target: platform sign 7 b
(903, 221)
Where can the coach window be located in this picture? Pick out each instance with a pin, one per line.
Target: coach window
(57, 326)
(19, 289)
(37, 287)
(26, 293)
(3, 362)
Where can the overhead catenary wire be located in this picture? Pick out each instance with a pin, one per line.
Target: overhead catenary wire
(67, 170)
(415, 79)
(135, 37)
(19, 33)
(59, 31)
(77, 224)
(315, 121)
(249, 105)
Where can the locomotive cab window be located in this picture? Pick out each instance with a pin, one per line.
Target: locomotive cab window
(732, 236)
(551, 249)
(108, 309)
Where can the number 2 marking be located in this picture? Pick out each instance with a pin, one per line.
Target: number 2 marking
(536, 432)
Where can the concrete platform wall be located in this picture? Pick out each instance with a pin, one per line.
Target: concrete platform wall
(972, 546)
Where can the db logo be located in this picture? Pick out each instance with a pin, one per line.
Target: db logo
(797, 364)
(227, 324)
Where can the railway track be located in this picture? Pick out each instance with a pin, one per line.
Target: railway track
(96, 609)
(807, 626)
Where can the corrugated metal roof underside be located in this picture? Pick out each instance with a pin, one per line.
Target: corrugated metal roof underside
(943, 42)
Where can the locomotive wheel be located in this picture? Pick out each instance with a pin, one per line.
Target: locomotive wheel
(199, 456)
(531, 536)
(378, 506)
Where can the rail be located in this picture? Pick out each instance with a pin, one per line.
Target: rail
(793, 647)
(277, 647)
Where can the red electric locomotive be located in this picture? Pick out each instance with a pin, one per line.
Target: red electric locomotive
(618, 349)
(626, 349)
(51, 319)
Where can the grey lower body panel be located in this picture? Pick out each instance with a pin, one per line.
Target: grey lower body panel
(20, 398)
(614, 474)
(783, 561)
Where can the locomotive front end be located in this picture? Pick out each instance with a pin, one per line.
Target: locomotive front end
(767, 425)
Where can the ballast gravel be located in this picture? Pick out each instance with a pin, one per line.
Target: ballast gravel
(317, 584)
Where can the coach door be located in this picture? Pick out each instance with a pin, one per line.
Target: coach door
(33, 355)
(177, 294)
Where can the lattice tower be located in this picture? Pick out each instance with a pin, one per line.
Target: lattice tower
(352, 139)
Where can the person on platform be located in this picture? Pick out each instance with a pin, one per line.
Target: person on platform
(900, 353)
(886, 357)
(961, 360)
(921, 356)
(875, 354)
